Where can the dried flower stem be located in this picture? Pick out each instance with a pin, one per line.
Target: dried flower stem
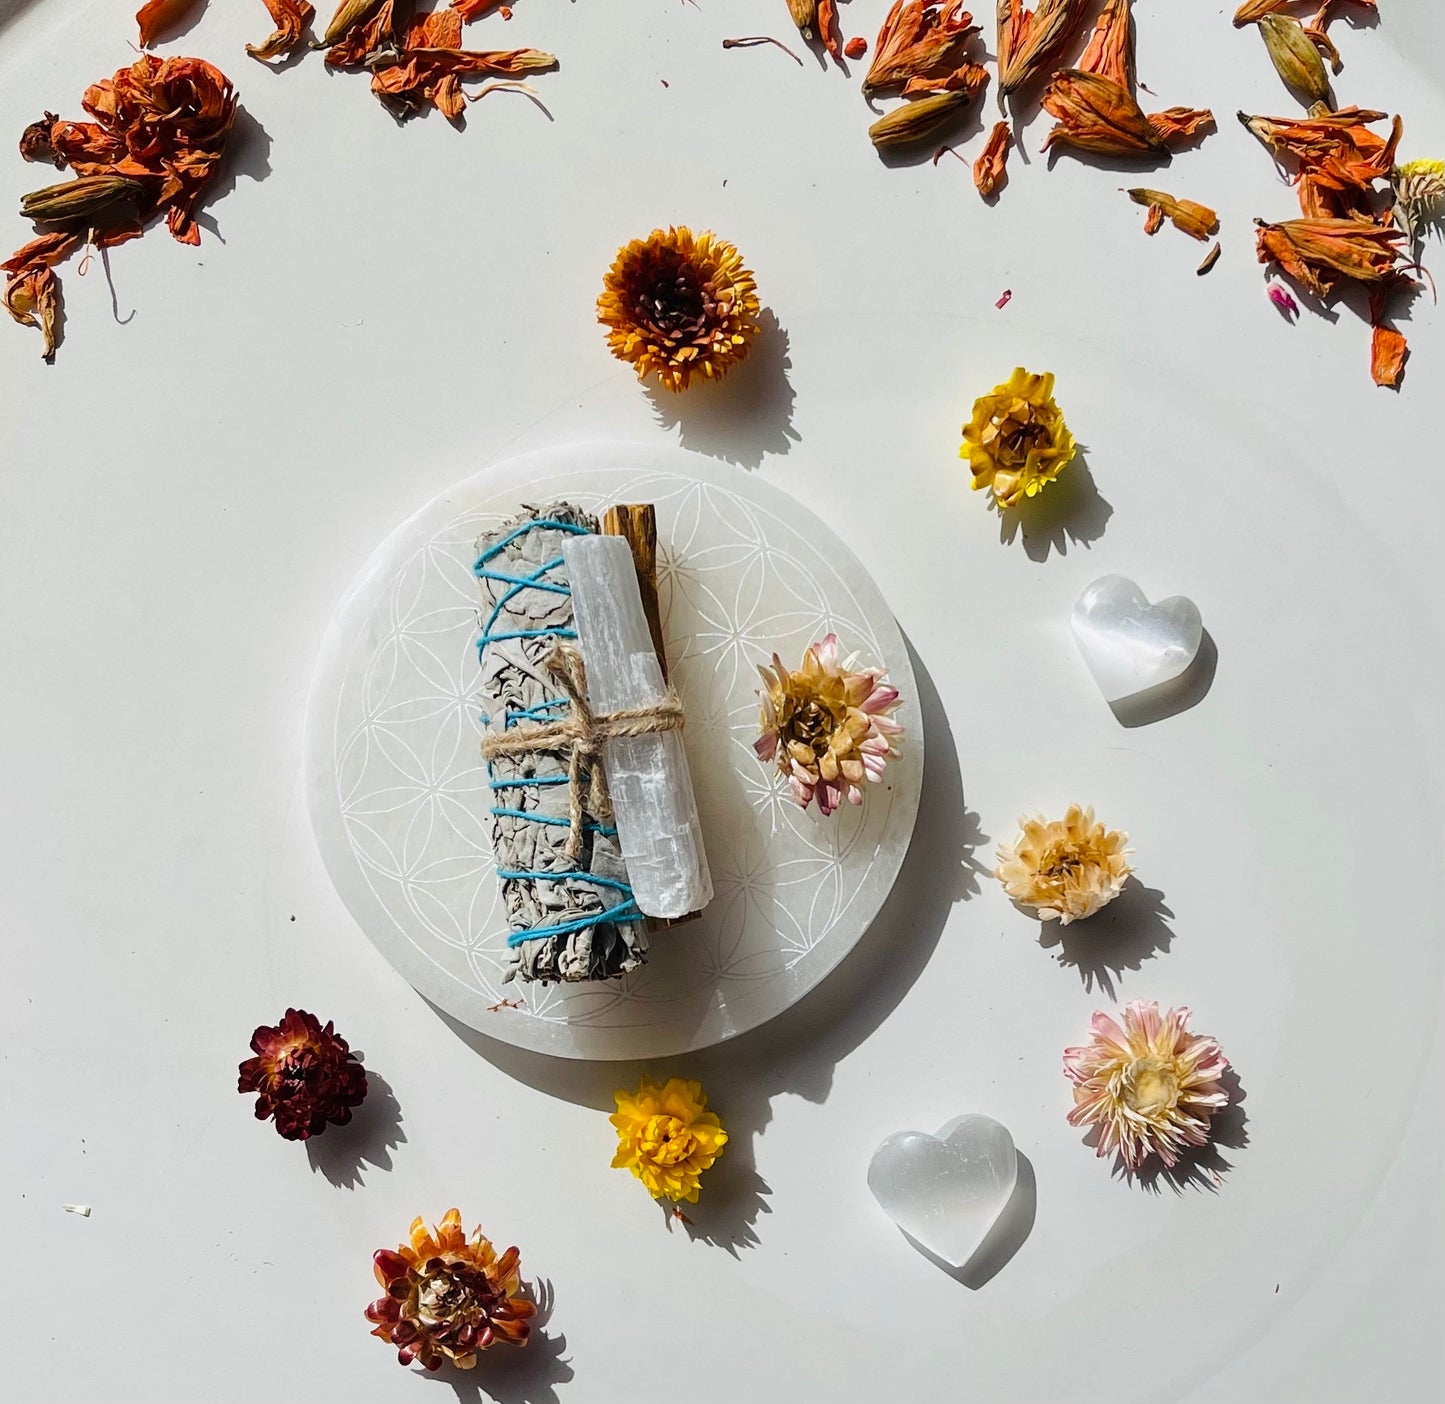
(751, 41)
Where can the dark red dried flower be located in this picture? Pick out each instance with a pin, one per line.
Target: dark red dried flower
(303, 1075)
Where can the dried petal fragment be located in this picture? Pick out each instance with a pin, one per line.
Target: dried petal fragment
(1210, 259)
(1388, 350)
(1110, 52)
(157, 16)
(1028, 43)
(1179, 123)
(989, 171)
(918, 38)
(1196, 220)
(1317, 253)
(32, 291)
(1096, 114)
(915, 120)
(290, 18)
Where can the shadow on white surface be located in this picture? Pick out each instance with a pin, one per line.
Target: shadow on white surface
(1130, 930)
(1004, 1239)
(345, 1153)
(507, 1375)
(745, 416)
(1070, 511)
(797, 1054)
(248, 153)
(1177, 695)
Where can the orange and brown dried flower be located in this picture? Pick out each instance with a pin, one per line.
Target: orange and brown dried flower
(678, 305)
(1318, 253)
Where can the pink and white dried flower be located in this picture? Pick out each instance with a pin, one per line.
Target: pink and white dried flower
(1149, 1088)
(827, 725)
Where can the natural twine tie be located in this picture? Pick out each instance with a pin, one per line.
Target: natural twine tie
(581, 734)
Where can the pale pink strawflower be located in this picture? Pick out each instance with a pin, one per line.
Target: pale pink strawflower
(1149, 1088)
(827, 725)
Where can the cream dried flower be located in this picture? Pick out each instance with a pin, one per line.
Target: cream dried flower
(827, 726)
(1066, 869)
(1150, 1088)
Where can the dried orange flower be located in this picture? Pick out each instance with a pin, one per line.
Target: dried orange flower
(1317, 253)
(1192, 218)
(1066, 869)
(919, 39)
(1095, 103)
(1017, 442)
(1029, 42)
(160, 130)
(1339, 158)
(448, 1297)
(677, 306)
(989, 171)
(290, 18)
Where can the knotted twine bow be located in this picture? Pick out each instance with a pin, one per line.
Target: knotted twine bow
(581, 734)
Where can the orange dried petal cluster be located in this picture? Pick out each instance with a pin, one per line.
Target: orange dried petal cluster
(159, 132)
(1030, 41)
(417, 61)
(920, 41)
(1095, 106)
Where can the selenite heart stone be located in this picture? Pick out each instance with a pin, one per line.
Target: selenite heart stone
(1129, 644)
(946, 1191)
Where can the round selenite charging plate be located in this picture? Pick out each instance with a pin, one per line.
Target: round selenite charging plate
(399, 794)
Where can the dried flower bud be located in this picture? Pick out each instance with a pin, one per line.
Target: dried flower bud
(349, 13)
(1295, 59)
(78, 199)
(805, 15)
(922, 116)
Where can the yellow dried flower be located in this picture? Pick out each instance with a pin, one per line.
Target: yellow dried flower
(1066, 869)
(678, 305)
(667, 1137)
(1017, 441)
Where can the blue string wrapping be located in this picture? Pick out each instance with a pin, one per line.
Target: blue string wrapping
(570, 921)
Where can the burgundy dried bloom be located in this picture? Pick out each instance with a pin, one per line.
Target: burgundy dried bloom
(303, 1075)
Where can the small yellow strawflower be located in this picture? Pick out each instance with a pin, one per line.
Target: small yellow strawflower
(1017, 441)
(1065, 869)
(667, 1137)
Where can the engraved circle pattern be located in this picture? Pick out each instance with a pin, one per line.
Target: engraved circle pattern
(399, 793)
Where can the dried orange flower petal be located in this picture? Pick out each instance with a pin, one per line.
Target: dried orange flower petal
(157, 16)
(919, 38)
(290, 18)
(1192, 218)
(989, 171)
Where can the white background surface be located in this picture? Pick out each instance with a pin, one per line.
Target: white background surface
(185, 497)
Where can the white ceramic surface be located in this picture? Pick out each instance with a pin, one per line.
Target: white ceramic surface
(398, 788)
(188, 490)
